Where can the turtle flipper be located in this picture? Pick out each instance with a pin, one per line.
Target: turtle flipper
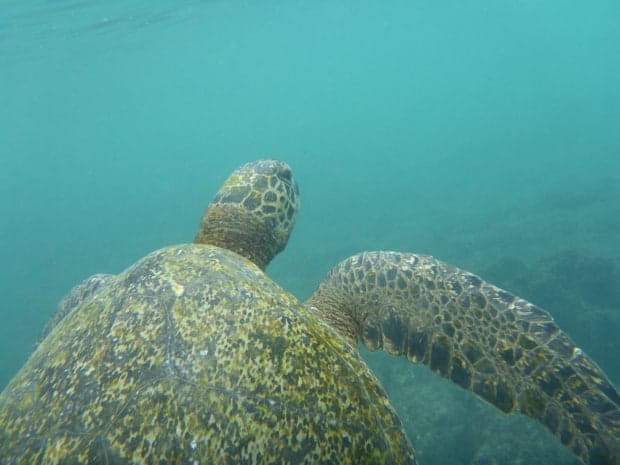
(497, 345)
(80, 292)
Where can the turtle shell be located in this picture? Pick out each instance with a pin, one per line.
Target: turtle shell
(194, 356)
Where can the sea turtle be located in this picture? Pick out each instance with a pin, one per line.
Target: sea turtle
(193, 355)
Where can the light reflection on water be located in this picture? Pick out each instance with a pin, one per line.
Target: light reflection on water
(27, 28)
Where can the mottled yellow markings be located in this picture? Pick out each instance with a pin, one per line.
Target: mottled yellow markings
(178, 289)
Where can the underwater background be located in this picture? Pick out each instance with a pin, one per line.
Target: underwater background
(485, 133)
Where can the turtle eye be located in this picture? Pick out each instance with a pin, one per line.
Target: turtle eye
(286, 175)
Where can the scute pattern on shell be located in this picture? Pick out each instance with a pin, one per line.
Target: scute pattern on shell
(194, 354)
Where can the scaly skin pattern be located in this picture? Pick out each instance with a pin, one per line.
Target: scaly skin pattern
(497, 345)
(194, 356)
(254, 211)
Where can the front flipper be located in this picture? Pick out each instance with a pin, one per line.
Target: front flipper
(79, 293)
(497, 345)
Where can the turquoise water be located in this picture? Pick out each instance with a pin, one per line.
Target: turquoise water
(484, 133)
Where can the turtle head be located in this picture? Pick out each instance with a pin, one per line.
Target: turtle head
(254, 211)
